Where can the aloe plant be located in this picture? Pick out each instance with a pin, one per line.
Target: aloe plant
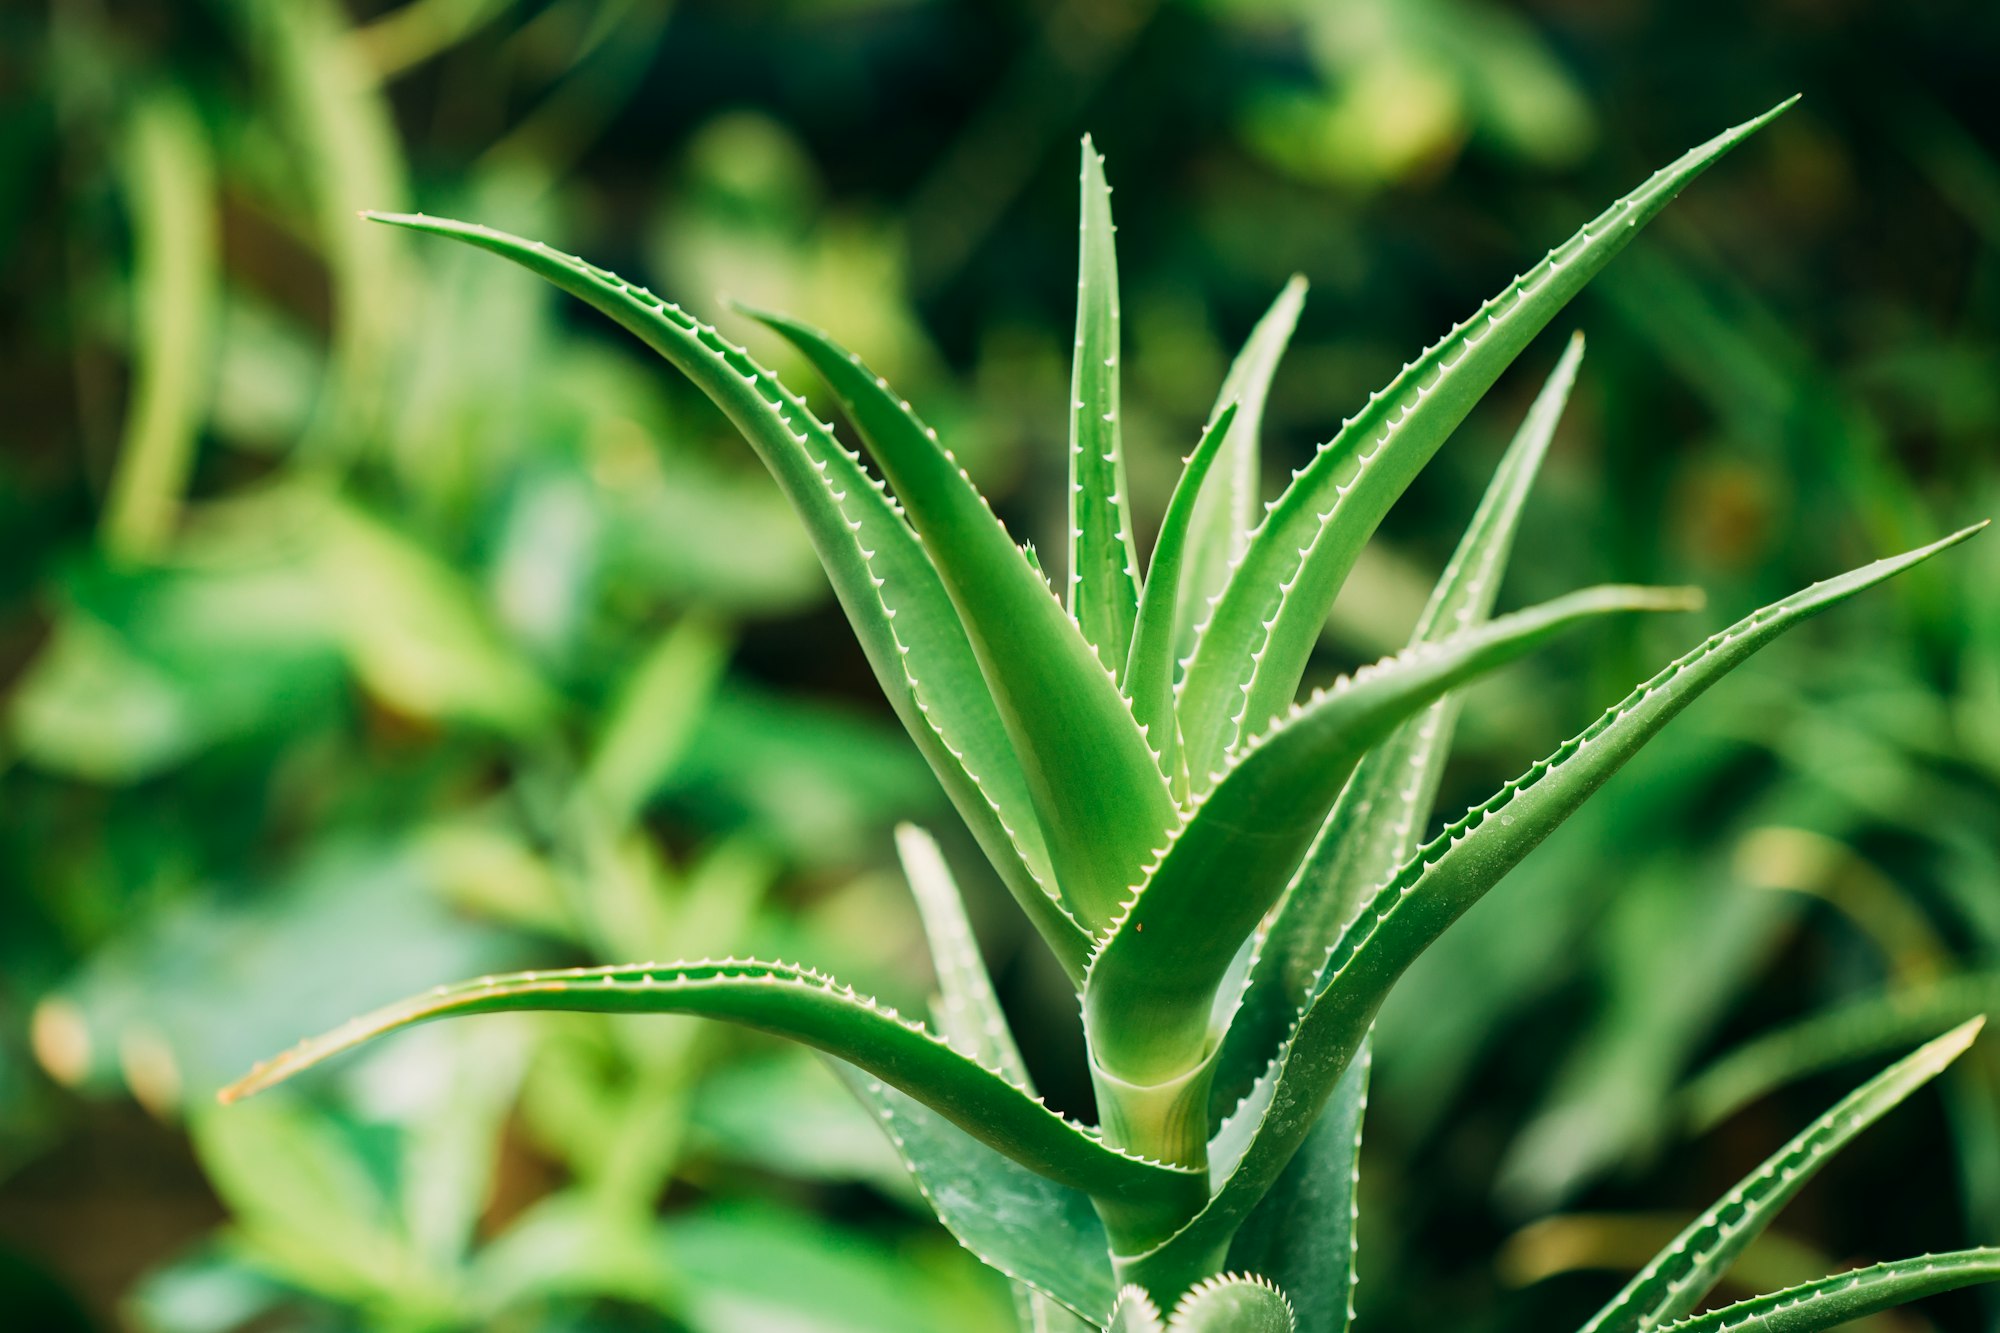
(1229, 874)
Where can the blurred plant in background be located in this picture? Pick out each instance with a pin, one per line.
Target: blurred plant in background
(403, 607)
(389, 594)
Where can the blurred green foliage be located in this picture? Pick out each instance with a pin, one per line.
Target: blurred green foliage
(369, 618)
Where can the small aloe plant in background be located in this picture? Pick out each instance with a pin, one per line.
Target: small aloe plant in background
(1227, 873)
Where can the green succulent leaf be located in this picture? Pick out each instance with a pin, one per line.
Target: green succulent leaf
(1135, 1313)
(966, 1011)
(1044, 1236)
(1036, 1313)
(1150, 991)
(1247, 663)
(886, 583)
(1235, 1303)
(788, 1001)
(1097, 789)
(1304, 1234)
(1848, 1032)
(1450, 874)
(1229, 503)
(1384, 808)
(946, 1163)
(1149, 673)
(1833, 1301)
(1103, 559)
(1685, 1271)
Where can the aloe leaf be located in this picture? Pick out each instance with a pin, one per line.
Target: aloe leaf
(1102, 801)
(1040, 1234)
(1847, 1032)
(1103, 559)
(967, 1012)
(1451, 873)
(886, 584)
(1149, 672)
(1685, 1271)
(1382, 811)
(1304, 1234)
(1228, 506)
(1036, 1313)
(1135, 1313)
(788, 1001)
(1234, 1303)
(1247, 663)
(1149, 995)
(1833, 1301)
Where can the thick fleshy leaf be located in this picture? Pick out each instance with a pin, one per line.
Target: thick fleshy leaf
(1135, 1313)
(1383, 810)
(1149, 672)
(966, 1012)
(1149, 995)
(1834, 1301)
(1036, 1313)
(788, 1001)
(1102, 802)
(1685, 1271)
(1103, 560)
(1304, 1235)
(1040, 1234)
(1450, 874)
(1248, 662)
(1229, 503)
(885, 582)
(1235, 1303)
(1851, 1031)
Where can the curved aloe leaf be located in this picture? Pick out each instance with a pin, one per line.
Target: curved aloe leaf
(1040, 1234)
(1135, 1313)
(1304, 1234)
(886, 584)
(967, 1013)
(1103, 560)
(1382, 811)
(1235, 1303)
(788, 1001)
(1150, 991)
(1228, 506)
(1248, 662)
(1149, 672)
(1833, 1301)
(1011, 1224)
(1102, 801)
(1686, 1270)
(1450, 874)
(1851, 1031)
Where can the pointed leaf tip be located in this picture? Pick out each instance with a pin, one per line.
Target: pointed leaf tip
(1674, 1284)
(788, 1001)
(1247, 663)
